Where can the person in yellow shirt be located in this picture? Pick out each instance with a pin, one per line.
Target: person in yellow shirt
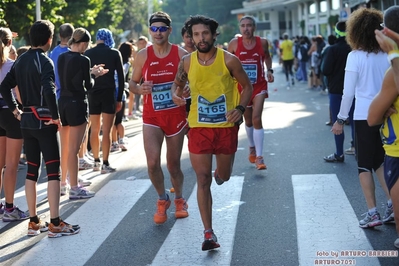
(287, 56)
(216, 109)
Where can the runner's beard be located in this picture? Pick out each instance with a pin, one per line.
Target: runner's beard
(207, 49)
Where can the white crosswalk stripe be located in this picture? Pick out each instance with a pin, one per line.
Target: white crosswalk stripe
(118, 196)
(226, 203)
(319, 232)
(326, 222)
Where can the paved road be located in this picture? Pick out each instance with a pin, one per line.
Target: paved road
(300, 211)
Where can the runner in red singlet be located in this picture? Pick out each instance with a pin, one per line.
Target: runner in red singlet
(253, 52)
(162, 119)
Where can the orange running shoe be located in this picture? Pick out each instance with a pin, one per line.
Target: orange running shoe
(35, 229)
(181, 208)
(160, 216)
(63, 229)
(259, 163)
(252, 155)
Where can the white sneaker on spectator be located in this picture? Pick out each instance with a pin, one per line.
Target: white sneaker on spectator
(84, 165)
(80, 193)
(105, 169)
(64, 188)
(96, 166)
(350, 151)
(83, 182)
(114, 147)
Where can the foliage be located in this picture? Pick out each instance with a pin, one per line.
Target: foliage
(81, 13)
(332, 20)
(19, 15)
(220, 10)
(120, 16)
(110, 15)
(135, 18)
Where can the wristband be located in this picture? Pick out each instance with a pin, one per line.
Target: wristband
(240, 108)
(394, 51)
(392, 55)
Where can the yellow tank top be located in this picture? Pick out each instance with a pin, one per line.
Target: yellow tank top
(389, 131)
(287, 47)
(213, 93)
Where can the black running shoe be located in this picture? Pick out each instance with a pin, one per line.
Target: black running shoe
(210, 241)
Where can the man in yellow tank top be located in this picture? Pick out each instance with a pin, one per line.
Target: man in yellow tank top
(385, 106)
(216, 109)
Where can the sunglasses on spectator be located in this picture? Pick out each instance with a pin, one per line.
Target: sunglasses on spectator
(160, 28)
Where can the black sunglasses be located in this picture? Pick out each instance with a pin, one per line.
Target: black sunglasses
(160, 28)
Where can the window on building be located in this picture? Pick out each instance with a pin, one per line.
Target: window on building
(267, 16)
(323, 6)
(312, 9)
(388, 3)
(335, 4)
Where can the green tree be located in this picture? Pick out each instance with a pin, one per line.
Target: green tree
(19, 15)
(110, 15)
(81, 13)
(134, 18)
(178, 12)
(220, 10)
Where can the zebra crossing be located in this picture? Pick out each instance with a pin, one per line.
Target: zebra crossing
(320, 237)
(303, 218)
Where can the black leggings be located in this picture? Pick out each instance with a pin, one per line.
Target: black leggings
(119, 115)
(288, 68)
(43, 141)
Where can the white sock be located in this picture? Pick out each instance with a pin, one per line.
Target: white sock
(258, 138)
(250, 135)
(372, 211)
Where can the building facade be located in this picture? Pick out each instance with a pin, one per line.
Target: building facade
(302, 17)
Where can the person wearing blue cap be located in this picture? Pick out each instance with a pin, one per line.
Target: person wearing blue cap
(102, 102)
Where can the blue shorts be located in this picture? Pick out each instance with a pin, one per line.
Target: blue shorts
(391, 171)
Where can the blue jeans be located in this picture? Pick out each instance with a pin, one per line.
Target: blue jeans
(335, 105)
(302, 67)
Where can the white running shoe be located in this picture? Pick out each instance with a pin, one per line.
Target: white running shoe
(105, 169)
(80, 193)
(96, 166)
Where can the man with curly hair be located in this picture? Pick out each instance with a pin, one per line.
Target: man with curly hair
(365, 69)
(216, 108)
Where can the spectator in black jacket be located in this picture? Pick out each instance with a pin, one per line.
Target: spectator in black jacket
(102, 102)
(33, 73)
(333, 67)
